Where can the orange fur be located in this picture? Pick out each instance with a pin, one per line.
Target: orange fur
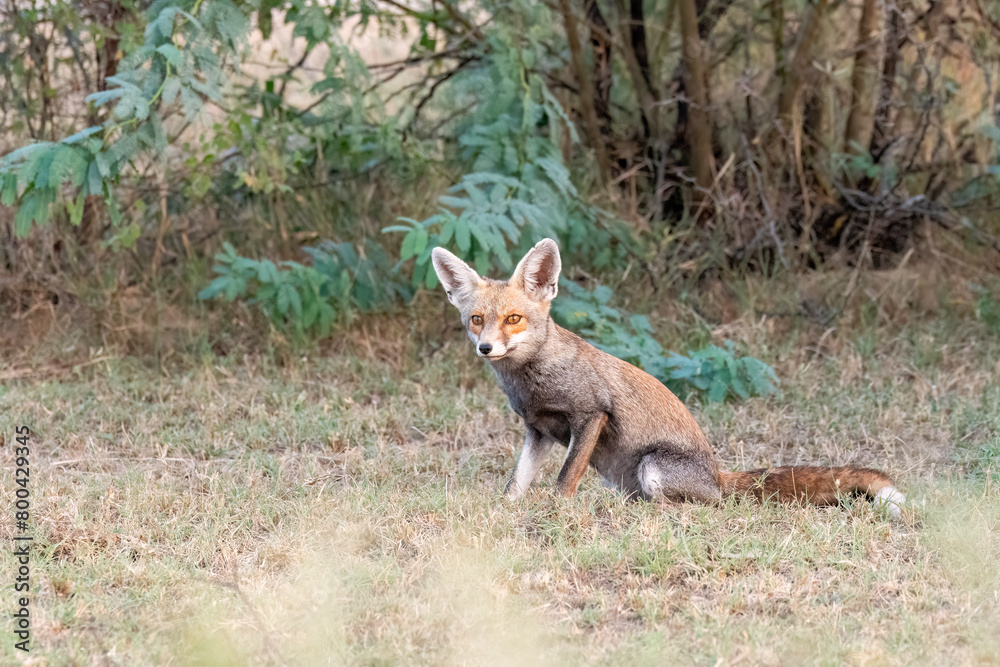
(816, 485)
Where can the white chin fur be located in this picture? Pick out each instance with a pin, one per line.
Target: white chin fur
(891, 499)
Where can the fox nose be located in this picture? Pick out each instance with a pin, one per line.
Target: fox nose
(485, 348)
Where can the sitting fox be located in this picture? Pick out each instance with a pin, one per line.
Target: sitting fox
(607, 413)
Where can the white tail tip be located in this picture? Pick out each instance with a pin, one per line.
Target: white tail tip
(891, 499)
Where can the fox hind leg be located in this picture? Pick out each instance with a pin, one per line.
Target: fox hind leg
(678, 476)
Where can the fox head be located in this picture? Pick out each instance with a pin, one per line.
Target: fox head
(504, 319)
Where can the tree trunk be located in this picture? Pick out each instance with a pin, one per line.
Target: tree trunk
(893, 42)
(637, 37)
(699, 134)
(864, 80)
(587, 108)
(777, 11)
(818, 122)
(812, 23)
(639, 73)
(789, 119)
(708, 17)
(600, 42)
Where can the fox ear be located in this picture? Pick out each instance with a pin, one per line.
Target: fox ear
(458, 278)
(538, 271)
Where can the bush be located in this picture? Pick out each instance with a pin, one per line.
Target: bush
(308, 300)
(713, 372)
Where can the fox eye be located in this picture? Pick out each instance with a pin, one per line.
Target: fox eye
(477, 319)
(513, 319)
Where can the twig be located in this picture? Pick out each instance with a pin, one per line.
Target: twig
(445, 77)
(450, 117)
(455, 16)
(417, 60)
(288, 73)
(409, 11)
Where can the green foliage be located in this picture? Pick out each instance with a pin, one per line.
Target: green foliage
(474, 101)
(307, 299)
(860, 163)
(286, 149)
(516, 189)
(290, 294)
(373, 282)
(32, 177)
(626, 337)
(716, 373)
(179, 62)
(986, 461)
(721, 374)
(987, 308)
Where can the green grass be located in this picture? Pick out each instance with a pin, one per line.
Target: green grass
(346, 508)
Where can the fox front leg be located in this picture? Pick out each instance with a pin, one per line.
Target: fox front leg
(536, 446)
(583, 439)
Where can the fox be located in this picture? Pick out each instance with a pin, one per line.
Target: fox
(607, 413)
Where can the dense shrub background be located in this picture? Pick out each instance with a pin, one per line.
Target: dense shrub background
(665, 141)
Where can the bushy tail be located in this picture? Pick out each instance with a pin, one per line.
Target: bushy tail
(820, 486)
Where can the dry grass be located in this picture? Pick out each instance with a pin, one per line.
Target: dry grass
(346, 509)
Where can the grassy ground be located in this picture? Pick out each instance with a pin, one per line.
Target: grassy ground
(345, 507)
